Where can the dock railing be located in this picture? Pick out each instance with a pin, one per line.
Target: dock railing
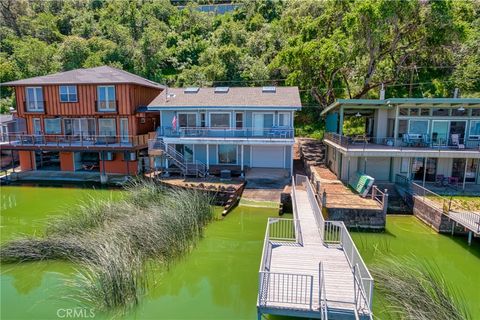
(301, 180)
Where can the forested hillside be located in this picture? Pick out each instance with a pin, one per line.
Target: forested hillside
(330, 49)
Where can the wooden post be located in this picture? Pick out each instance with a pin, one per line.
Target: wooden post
(324, 199)
(385, 201)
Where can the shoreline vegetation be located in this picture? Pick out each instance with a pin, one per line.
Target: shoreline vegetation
(415, 289)
(112, 243)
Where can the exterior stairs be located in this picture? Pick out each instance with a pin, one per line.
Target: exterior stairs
(195, 168)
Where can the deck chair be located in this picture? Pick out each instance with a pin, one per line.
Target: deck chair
(456, 141)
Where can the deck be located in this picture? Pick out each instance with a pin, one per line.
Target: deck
(305, 269)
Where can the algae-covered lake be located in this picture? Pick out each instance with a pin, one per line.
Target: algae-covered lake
(219, 278)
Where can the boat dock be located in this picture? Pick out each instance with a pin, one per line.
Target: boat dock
(310, 267)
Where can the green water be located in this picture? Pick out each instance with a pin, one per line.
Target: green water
(406, 236)
(218, 280)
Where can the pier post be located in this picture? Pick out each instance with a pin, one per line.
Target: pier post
(324, 199)
(470, 235)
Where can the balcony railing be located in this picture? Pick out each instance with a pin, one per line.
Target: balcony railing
(82, 140)
(409, 141)
(211, 132)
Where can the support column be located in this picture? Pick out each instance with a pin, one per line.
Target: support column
(465, 174)
(395, 128)
(166, 157)
(425, 160)
(241, 160)
(470, 234)
(208, 157)
(291, 160)
(340, 122)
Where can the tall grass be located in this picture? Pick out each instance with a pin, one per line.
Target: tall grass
(111, 241)
(417, 290)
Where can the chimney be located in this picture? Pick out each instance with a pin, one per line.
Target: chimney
(382, 93)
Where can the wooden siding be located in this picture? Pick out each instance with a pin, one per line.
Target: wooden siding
(128, 96)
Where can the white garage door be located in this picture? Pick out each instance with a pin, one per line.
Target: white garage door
(268, 157)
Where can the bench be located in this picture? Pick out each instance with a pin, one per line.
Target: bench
(361, 183)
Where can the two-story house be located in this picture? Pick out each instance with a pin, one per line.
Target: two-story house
(83, 120)
(225, 128)
(428, 140)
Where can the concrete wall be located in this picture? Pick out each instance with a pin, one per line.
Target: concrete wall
(358, 218)
(381, 122)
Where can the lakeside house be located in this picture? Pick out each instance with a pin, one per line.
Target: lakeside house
(433, 140)
(100, 120)
(225, 128)
(83, 120)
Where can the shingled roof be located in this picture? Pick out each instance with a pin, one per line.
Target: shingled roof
(97, 75)
(287, 97)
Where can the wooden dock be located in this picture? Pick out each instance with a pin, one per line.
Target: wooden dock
(310, 267)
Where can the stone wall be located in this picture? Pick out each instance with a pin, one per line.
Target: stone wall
(358, 218)
(433, 217)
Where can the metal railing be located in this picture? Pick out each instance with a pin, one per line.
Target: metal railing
(448, 206)
(213, 132)
(360, 143)
(283, 229)
(301, 180)
(284, 288)
(75, 140)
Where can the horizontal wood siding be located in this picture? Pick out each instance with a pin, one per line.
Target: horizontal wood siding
(129, 97)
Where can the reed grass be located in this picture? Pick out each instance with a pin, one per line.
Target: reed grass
(111, 241)
(417, 290)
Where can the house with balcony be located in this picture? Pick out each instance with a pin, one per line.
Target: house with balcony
(433, 140)
(83, 120)
(224, 128)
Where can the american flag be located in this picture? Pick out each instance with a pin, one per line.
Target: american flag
(174, 123)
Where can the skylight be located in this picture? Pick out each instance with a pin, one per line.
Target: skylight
(191, 90)
(269, 89)
(221, 89)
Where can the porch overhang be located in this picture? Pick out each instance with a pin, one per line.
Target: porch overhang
(229, 140)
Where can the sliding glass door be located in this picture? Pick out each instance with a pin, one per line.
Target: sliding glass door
(440, 132)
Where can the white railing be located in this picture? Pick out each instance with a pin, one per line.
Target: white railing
(322, 292)
(295, 213)
(282, 229)
(286, 288)
(362, 276)
(317, 212)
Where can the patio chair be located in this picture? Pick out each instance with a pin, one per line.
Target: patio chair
(426, 140)
(440, 180)
(406, 140)
(456, 141)
(453, 181)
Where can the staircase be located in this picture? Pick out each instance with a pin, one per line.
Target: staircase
(195, 168)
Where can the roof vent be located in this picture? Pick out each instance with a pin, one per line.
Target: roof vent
(191, 90)
(221, 89)
(269, 89)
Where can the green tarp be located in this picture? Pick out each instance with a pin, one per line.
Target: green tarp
(362, 183)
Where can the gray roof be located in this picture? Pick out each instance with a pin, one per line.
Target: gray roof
(98, 75)
(4, 118)
(286, 97)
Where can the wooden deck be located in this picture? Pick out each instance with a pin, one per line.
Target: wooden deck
(296, 284)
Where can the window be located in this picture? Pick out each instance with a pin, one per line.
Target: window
(474, 129)
(79, 127)
(227, 154)
(220, 120)
(107, 127)
(402, 127)
(68, 93)
(203, 121)
(187, 120)
(418, 127)
(284, 119)
(405, 162)
(239, 120)
(53, 126)
(37, 128)
(414, 111)
(106, 98)
(459, 113)
(476, 112)
(424, 112)
(440, 112)
(34, 101)
(403, 112)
